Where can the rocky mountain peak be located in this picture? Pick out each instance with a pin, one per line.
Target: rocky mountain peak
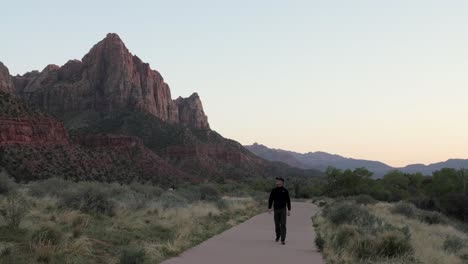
(191, 112)
(108, 79)
(6, 82)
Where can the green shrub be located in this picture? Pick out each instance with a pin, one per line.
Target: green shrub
(132, 256)
(364, 199)
(209, 193)
(350, 213)
(453, 244)
(344, 234)
(342, 213)
(319, 242)
(13, 209)
(364, 247)
(88, 198)
(432, 218)
(148, 190)
(52, 187)
(221, 204)
(189, 193)
(390, 244)
(394, 244)
(7, 185)
(46, 235)
(406, 209)
(172, 200)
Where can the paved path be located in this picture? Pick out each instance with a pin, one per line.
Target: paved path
(252, 242)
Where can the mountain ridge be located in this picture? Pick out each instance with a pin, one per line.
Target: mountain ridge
(117, 110)
(321, 160)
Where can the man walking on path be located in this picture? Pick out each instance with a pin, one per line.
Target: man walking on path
(279, 199)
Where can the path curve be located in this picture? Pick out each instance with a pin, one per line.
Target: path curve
(252, 242)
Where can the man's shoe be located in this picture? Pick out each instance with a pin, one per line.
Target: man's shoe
(283, 242)
(277, 239)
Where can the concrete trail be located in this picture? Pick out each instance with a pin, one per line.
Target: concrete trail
(252, 242)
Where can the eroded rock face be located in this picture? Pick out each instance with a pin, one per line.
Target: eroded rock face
(6, 82)
(44, 131)
(108, 79)
(191, 112)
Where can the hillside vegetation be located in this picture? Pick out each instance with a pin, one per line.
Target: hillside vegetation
(60, 221)
(361, 230)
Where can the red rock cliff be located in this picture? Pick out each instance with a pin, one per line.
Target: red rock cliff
(109, 78)
(6, 82)
(43, 131)
(191, 112)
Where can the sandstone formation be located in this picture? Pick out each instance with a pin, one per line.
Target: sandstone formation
(124, 126)
(191, 112)
(6, 82)
(108, 79)
(42, 131)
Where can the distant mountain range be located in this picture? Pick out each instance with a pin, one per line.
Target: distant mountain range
(321, 160)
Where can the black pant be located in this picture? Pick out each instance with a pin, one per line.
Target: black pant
(280, 223)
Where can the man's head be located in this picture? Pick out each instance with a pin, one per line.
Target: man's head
(279, 182)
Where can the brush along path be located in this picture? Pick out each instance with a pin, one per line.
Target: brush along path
(252, 242)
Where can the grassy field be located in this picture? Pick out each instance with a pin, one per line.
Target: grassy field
(57, 221)
(361, 230)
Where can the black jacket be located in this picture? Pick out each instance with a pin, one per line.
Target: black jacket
(279, 196)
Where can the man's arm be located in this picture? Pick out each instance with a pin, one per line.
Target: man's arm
(270, 200)
(288, 201)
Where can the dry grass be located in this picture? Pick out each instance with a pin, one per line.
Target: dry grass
(159, 232)
(427, 241)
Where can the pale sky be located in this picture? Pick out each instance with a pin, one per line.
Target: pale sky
(376, 79)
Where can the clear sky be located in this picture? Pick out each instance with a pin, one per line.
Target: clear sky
(376, 79)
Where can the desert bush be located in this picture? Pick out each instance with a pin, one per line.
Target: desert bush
(44, 242)
(13, 209)
(345, 213)
(353, 214)
(453, 244)
(432, 218)
(189, 193)
(51, 187)
(132, 256)
(88, 198)
(364, 199)
(221, 204)
(148, 190)
(319, 242)
(209, 193)
(172, 200)
(363, 247)
(46, 235)
(344, 234)
(7, 184)
(406, 209)
(423, 203)
(393, 244)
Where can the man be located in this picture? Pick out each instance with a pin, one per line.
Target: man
(279, 199)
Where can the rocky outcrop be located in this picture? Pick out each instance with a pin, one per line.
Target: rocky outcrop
(44, 131)
(6, 82)
(108, 79)
(191, 112)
